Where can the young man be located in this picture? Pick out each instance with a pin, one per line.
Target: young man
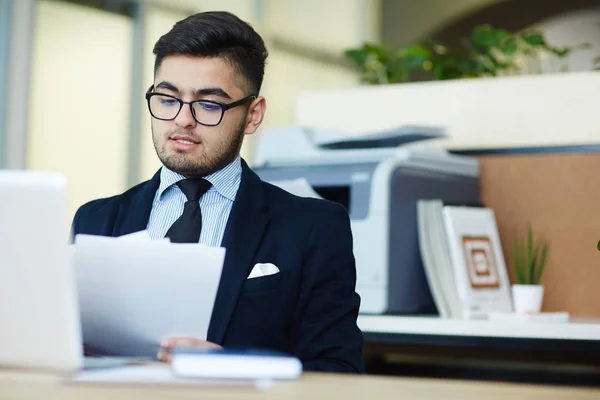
(205, 97)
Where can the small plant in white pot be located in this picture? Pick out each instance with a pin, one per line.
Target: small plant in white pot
(529, 257)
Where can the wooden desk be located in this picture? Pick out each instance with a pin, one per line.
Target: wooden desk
(22, 385)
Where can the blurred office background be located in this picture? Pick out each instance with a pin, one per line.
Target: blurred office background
(73, 73)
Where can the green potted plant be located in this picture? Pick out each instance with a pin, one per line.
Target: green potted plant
(486, 52)
(528, 257)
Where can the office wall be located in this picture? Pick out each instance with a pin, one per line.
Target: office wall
(322, 29)
(79, 103)
(571, 29)
(245, 9)
(331, 24)
(19, 28)
(404, 22)
(4, 42)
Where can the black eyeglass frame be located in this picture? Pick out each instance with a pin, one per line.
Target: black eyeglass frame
(224, 106)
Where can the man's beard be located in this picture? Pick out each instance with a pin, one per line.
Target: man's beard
(190, 166)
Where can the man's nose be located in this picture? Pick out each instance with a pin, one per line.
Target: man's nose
(185, 118)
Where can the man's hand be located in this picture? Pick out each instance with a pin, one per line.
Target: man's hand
(169, 343)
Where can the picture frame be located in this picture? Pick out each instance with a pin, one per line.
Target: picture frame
(480, 260)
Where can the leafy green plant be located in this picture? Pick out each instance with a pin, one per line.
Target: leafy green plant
(529, 258)
(487, 51)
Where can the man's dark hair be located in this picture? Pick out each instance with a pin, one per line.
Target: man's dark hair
(217, 34)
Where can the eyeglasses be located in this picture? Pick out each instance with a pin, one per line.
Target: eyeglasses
(206, 112)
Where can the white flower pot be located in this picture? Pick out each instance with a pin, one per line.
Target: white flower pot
(527, 299)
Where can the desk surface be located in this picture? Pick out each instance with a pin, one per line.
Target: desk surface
(22, 385)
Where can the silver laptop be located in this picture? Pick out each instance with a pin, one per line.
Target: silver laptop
(39, 314)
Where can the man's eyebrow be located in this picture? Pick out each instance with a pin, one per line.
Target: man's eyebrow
(211, 91)
(167, 86)
(214, 91)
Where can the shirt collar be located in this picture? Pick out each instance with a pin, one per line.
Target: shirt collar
(225, 181)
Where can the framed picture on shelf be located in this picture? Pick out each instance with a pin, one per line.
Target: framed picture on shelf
(477, 260)
(480, 261)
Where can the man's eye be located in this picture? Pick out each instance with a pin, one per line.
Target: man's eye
(168, 102)
(207, 107)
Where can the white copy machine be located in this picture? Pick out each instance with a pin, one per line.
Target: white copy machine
(378, 178)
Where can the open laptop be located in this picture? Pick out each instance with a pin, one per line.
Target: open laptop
(39, 313)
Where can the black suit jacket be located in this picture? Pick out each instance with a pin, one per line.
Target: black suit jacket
(308, 309)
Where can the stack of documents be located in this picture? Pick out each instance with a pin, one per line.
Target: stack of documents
(196, 363)
(463, 260)
(133, 291)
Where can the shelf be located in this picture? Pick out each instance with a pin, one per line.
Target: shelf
(575, 330)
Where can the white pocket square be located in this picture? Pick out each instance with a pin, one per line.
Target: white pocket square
(261, 269)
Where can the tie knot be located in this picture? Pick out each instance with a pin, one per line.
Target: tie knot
(194, 188)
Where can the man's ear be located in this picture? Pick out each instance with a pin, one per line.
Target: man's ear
(256, 113)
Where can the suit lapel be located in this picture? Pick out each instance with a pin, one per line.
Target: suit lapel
(133, 216)
(243, 233)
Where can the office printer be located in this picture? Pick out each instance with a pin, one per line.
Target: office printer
(379, 182)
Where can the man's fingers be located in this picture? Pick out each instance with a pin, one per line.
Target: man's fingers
(211, 345)
(163, 356)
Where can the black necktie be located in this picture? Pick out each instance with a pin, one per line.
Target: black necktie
(187, 228)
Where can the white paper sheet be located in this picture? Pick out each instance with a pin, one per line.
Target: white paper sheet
(158, 375)
(133, 293)
(140, 236)
(299, 187)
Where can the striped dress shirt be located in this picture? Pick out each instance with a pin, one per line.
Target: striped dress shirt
(215, 204)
